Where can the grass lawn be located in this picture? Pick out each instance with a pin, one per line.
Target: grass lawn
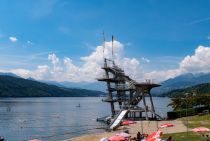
(182, 136)
(197, 121)
(193, 122)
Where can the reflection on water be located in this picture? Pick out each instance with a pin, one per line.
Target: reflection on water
(55, 118)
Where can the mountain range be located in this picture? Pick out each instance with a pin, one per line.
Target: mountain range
(98, 86)
(179, 82)
(199, 89)
(12, 86)
(9, 74)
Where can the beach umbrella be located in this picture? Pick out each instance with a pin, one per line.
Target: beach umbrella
(127, 122)
(116, 138)
(123, 134)
(201, 129)
(35, 140)
(166, 125)
(104, 139)
(155, 136)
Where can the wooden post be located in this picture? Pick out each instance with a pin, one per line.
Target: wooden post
(109, 86)
(145, 106)
(152, 105)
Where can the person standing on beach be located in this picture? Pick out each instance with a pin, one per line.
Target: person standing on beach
(169, 138)
(139, 136)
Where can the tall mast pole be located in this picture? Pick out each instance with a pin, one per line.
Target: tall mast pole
(104, 43)
(112, 48)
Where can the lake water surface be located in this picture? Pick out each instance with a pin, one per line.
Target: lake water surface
(54, 119)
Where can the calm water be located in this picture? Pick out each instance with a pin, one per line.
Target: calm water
(53, 119)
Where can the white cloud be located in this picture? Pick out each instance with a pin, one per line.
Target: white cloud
(42, 73)
(208, 37)
(66, 70)
(145, 59)
(55, 63)
(13, 39)
(20, 72)
(53, 58)
(158, 76)
(198, 62)
(29, 42)
(91, 69)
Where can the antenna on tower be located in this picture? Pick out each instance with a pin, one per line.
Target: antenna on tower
(112, 47)
(104, 43)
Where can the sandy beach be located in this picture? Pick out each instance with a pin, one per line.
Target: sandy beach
(147, 126)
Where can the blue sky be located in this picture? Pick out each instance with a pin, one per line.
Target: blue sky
(162, 31)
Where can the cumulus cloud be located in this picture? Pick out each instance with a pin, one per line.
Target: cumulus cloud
(158, 76)
(198, 62)
(55, 63)
(42, 72)
(91, 69)
(65, 69)
(13, 39)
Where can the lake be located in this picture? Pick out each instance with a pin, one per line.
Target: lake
(53, 119)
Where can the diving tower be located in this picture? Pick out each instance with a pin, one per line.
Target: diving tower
(125, 95)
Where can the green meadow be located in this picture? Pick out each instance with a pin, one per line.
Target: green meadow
(193, 122)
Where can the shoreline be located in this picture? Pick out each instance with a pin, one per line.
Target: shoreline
(147, 126)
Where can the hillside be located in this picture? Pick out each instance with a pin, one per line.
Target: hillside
(197, 89)
(182, 81)
(98, 86)
(18, 87)
(179, 82)
(9, 74)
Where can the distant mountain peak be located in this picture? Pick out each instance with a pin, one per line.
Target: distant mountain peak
(182, 81)
(31, 78)
(9, 74)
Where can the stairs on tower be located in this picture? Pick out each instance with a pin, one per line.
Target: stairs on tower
(136, 99)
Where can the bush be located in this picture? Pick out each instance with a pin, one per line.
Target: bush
(201, 109)
(181, 113)
(172, 115)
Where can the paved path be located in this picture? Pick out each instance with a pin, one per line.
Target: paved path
(148, 127)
